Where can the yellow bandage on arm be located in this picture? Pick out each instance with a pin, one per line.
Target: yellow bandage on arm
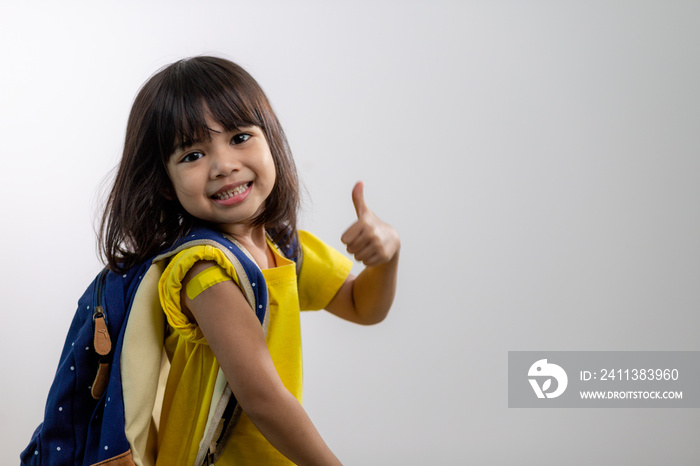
(205, 279)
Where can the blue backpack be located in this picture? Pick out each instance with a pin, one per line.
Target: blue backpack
(100, 405)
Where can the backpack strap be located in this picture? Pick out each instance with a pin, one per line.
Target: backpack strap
(102, 343)
(226, 411)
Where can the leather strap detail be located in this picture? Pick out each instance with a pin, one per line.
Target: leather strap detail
(103, 344)
(101, 380)
(125, 459)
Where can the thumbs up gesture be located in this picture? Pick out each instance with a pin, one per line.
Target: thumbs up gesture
(369, 239)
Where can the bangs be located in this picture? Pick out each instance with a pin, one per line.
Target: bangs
(197, 90)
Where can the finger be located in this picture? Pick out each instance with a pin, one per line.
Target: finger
(360, 254)
(369, 256)
(352, 233)
(376, 259)
(358, 244)
(358, 199)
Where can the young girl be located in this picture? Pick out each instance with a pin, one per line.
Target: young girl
(204, 148)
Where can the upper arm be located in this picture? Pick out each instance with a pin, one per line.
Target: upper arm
(343, 303)
(235, 336)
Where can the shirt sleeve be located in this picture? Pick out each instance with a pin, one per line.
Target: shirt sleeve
(170, 286)
(323, 272)
(205, 280)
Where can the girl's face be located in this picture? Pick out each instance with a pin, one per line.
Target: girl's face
(226, 180)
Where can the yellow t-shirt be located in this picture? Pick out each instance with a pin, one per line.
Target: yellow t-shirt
(194, 368)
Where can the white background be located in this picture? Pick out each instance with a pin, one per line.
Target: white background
(540, 160)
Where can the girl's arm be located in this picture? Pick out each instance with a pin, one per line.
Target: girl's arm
(238, 342)
(367, 298)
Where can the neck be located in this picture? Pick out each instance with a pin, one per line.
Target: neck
(254, 240)
(243, 233)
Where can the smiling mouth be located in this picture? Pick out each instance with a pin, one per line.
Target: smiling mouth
(222, 196)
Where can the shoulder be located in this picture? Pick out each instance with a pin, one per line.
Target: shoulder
(193, 272)
(192, 260)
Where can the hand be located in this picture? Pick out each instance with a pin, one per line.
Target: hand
(369, 239)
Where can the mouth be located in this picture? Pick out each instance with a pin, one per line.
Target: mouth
(228, 193)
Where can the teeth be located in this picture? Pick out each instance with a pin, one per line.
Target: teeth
(234, 192)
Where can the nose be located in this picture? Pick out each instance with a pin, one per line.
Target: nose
(224, 162)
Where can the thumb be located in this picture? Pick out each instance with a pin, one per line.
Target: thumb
(358, 199)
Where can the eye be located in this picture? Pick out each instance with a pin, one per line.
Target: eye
(192, 157)
(240, 138)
